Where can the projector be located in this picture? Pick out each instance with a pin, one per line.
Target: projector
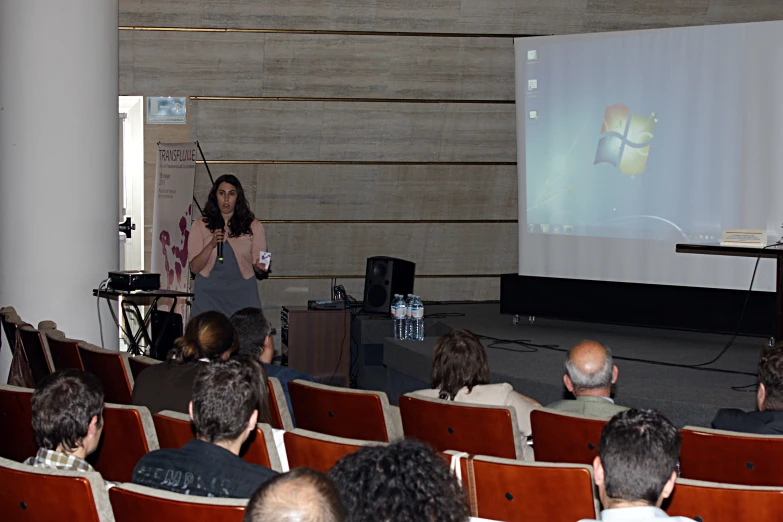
(129, 280)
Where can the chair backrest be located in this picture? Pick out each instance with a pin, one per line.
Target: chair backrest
(128, 434)
(472, 428)
(565, 437)
(50, 495)
(139, 363)
(752, 460)
(278, 406)
(342, 412)
(712, 501)
(112, 370)
(133, 503)
(64, 352)
(17, 441)
(34, 348)
(261, 449)
(506, 489)
(308, 449)
(9, 321)
(174, 429)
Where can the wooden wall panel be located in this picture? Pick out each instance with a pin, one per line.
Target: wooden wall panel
(354, 131)
(436, 248)
(731, 11)
(617, 15)
(329, 66)
(443, 16)
(427, 192)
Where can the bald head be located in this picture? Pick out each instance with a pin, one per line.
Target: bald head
(302, 495)
(589, 369)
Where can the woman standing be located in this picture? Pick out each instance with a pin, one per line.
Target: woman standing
(228, 285)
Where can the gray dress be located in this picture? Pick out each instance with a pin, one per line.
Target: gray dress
(225, 290)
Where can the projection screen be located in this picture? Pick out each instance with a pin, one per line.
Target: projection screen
(631, 142)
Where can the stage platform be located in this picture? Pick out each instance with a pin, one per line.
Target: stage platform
(687, 396)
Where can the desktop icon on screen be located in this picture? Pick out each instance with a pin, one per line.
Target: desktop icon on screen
(532, 85)
(532, 116)
(625, 139)
(532, 55)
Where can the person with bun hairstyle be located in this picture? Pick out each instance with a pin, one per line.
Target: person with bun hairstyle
(167, 386)
(229, 284)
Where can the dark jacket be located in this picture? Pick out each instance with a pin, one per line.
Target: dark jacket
(202, 469)
(284, 374)
(165, 386)
(758, 422)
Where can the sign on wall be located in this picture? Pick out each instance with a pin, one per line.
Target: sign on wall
(166, 110)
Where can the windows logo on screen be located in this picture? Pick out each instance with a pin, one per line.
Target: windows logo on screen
(625, 139)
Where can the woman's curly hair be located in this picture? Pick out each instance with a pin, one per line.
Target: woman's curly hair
(403, 482)
(243, 217)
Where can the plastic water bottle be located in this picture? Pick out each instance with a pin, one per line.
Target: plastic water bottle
(408, 303)
(417, 319)
(398, 309)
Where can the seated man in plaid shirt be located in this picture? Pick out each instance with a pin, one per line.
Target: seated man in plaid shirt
(67, 420)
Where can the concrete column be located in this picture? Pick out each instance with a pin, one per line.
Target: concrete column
(58, 161)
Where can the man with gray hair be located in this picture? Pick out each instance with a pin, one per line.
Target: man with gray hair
(589, 376)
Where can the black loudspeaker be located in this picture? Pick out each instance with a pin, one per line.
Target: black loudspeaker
(385, 277)
(164, 335)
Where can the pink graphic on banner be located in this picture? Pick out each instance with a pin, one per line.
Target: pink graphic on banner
(179, 256)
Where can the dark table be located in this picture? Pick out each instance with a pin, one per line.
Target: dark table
(130, 303)
(774, 251)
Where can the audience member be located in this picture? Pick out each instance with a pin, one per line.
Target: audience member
(402, 482)
(303, 495)
(636, 466)
(768, 420)
(460, 373)
(253, 332)
(168, 386)
(589, 376)
(224, 411)
(67, 409)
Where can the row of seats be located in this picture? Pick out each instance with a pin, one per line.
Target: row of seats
(498, 489)
(364, 415)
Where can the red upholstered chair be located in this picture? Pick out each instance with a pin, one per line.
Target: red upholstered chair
(112, 370)
(318, 451)
(139, 363)
(64, 352)
(49, 495)
(472, 428)
(752, 460)
(36, 352)
(343, 412)
(17, 441)
(9, 321)
(133, 503)
(506, 489)
(709, 501)
(565, 437)
(278, 406)
(261, 449)
(173, 429)
(128, 435)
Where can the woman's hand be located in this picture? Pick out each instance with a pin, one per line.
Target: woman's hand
(219, 236)
(262, 268)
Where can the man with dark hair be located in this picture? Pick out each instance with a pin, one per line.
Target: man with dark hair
(224, 411)
(253, 330)
(636, 466)
(403, 482)
(67, 409)
(768, 419)
(303, 495)
(589, 375)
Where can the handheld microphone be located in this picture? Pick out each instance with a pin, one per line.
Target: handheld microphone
(220, 245)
